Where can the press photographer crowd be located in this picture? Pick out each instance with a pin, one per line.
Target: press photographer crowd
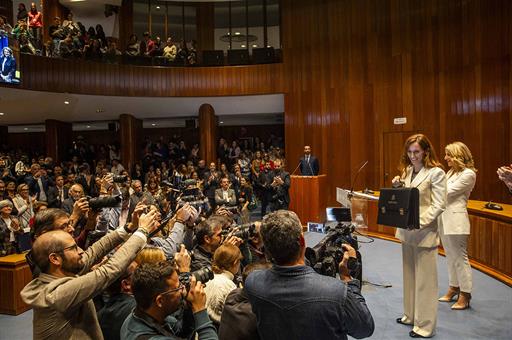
(170, 250)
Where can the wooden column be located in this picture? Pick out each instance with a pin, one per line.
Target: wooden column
(125, 23)
(130, 131)
(6, 10)
(4, 139)
(50, 10)
(205, 23)
(207, 133)
(58, 137)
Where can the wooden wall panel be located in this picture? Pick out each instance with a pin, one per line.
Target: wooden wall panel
(349, 68)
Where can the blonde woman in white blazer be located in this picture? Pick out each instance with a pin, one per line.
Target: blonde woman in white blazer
(421, 169)
(455, 227)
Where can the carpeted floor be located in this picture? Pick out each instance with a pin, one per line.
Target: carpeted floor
(490, 315)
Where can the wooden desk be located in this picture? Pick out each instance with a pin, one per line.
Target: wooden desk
(490, 242)
(14, 275)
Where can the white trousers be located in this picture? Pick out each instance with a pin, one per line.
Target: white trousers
(459, 269)
(420, 288)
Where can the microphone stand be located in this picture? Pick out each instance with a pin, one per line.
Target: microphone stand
(295, 168)
(310, 169)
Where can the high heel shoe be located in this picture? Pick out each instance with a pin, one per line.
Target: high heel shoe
(463, 301)
(453, 293)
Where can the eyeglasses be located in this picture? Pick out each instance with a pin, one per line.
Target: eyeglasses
(180, 287)
(73, 247)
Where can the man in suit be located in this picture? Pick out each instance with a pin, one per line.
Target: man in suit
(309, 165)
(265, 180)
(58, 193)
(225, 196)
(74, 194)
(211, 183)
(281, 185)
(38, 182)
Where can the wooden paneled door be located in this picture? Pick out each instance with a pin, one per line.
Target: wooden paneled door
(392, 145)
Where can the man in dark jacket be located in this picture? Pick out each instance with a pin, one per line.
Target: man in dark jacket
(291, 301)
(281, 187)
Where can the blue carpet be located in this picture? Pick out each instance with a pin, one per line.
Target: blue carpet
(490, 315)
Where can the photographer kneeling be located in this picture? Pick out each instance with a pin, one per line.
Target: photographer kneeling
(292, 301)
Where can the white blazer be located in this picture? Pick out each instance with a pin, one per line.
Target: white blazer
(431, 182)
(455, 218)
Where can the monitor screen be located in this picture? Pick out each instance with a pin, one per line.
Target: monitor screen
(9, 59)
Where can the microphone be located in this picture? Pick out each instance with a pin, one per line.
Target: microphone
(295, 169)
(355, 178)
(310, 169)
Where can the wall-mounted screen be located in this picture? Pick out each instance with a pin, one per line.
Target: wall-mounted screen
(9, 59)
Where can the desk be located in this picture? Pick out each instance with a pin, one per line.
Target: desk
(14, 275)
(490, 242)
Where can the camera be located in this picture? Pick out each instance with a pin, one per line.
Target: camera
(204, 275)
(328, 253)
(244, 231)
(191, 194)
(119, 178)
(98, 203)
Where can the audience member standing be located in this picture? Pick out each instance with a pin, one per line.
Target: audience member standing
(36, 25)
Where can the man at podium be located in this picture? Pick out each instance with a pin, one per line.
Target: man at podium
(309, 165)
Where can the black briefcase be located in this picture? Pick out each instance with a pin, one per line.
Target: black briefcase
(399, 207)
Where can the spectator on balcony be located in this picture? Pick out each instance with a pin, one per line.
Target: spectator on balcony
(35, 24)
(22, 13)
(133, 47)
(182, 56)
(170, 50)
(159, 48)
(147, 46)
(67, 48)
(92, 50)
(70, 26)
(100, 35)
(91, 34)
(192, 53)
(56, 31)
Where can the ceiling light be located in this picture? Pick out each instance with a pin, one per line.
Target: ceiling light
(1, 113)
(269, 46)
(254, 45)
(66, 102)
(99, 110)
(242, 46)
(237, 33)
(221, 122)
(157, 7)
(26, 129)
(88, 126)
(153, 124)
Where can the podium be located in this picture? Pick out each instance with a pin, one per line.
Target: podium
(307, 197)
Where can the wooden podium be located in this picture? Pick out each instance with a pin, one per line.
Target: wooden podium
(307, 197)
(14, 275)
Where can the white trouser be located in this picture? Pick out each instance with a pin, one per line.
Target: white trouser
(420, 288)
(459, 269)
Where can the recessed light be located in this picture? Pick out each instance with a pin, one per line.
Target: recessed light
(66, 102)
(157, 7)
(269, 46)
(237, 33)
(254, 45)
(221, 122)
(153, 124)
(1, 113)
(26, 129)
(88, 126)
(242, 46)
(99, 110)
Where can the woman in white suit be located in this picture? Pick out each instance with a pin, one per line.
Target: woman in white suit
(421, 169)
(455, 228)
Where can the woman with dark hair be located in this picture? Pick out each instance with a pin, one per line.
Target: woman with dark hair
(100, 35)
(421, 169)
(133, 46)
(22, 13)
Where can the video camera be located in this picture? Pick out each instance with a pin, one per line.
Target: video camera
(328, 253)
(191, 194)
(98, 203)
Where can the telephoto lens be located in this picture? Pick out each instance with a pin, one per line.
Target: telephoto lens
(120, 178)
(204, 275)
(98, 203)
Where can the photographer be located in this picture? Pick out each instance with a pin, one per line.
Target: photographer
(159, 293)
(265, 181)
(292, 301)
(209, 238)
(61, 300)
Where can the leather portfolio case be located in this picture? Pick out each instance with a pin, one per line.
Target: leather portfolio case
(399, 207)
